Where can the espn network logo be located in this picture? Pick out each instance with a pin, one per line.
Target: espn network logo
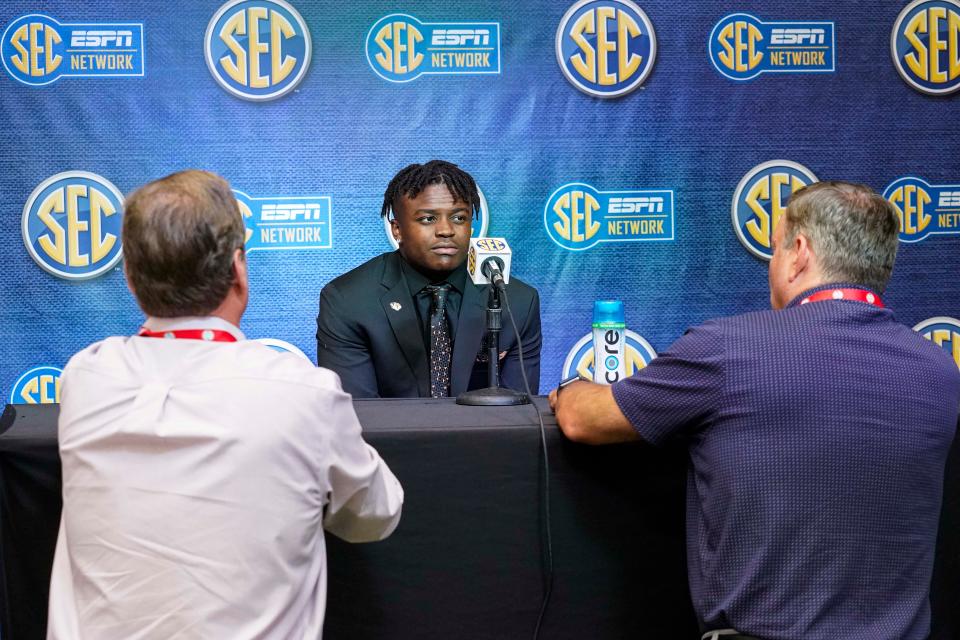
(798, 36)
(401, 48)
(742, 47)
(950, 199)
(286, 223)
(291, 212)
(460, 37)
(102, 38)
(639, 204)
(578, 216)
(37, 49)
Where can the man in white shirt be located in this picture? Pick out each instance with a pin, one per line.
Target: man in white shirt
(200, 469)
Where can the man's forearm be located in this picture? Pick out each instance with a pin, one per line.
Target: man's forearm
(588, 413)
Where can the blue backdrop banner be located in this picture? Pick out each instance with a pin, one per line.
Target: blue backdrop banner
(640, 150)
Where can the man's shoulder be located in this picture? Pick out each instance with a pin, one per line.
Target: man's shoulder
(93, 354)
(248, 360)
(260, 362)
(753, 327)
(941, 361)
(519, 290)
(742, 321)
(520, 285)
(360, 277)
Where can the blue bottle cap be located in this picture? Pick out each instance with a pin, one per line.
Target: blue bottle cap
(608, 313)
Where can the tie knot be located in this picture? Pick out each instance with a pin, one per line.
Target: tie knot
(438, 292)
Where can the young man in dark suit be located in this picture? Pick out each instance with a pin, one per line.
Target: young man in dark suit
(410, 323)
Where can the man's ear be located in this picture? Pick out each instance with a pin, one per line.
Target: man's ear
(126, 276)
(395, 229)
(802, 256)
(240, 270)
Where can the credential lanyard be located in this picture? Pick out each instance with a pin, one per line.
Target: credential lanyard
(208, 335)
(858, 295)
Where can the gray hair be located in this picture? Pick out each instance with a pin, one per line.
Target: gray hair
(179, 237)
(852, 229)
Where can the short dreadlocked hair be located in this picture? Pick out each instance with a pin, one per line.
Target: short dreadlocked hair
(414, 178)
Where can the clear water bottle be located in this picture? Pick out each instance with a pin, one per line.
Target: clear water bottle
(609, 335)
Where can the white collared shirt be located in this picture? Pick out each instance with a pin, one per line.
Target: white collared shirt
(197, 480)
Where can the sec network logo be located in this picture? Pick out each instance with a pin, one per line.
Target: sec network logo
(606, 48)
(742, 47)
(944, 332)
(925, 45)
(761, 198)
(476, 230)
(924, 209)
(257, 49)
(401, 48)
(37, 49)
(71, 225)
(577, 216)
(40, 385)
(580, 359)
(286, 223)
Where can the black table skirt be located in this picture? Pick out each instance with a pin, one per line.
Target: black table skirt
(468, 559)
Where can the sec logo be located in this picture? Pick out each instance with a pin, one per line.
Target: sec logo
(925, 209)
(760, 200)
(492, 244)
(925, 45)
(257, 49)
(40, 385)
(71, 225)
(478, 228)
(580, 358)
(606, 48)
(944, 332)
(472, 260)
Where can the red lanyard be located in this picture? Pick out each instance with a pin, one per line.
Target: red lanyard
(858, 295)
(208, 335)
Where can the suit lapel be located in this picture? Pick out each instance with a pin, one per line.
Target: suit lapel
(470, 330)
(403, 322)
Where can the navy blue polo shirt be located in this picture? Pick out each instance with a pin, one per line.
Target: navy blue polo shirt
(818, 438)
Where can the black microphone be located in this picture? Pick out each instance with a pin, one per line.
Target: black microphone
(492, 267)
(488, 261)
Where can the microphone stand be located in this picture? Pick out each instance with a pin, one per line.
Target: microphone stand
(493, 395)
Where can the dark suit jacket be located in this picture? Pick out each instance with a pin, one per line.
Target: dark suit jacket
(378, 350)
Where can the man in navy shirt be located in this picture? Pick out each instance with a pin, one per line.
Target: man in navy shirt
(818, 435)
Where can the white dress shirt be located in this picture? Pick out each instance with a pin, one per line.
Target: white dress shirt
(197, 480)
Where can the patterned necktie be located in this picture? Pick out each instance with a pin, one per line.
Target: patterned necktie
(439, 341)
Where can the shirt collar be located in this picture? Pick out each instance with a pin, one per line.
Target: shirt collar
(193, 322)
(824, 287)
(416, 281)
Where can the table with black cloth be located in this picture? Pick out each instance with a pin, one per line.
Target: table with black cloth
(468, 559)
